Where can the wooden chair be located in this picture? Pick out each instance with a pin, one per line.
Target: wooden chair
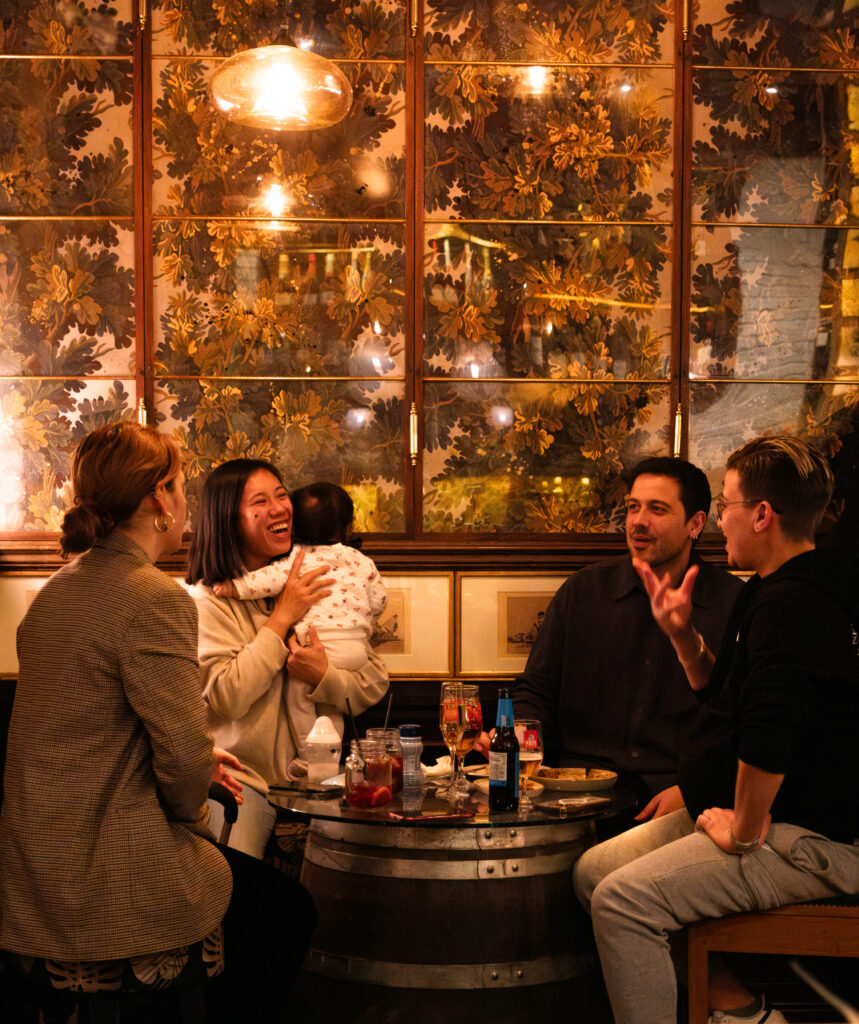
(827, 927)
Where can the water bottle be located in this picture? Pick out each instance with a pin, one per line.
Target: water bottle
(410, 740)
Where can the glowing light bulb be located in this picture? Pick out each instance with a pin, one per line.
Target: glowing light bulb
(286, 88)
(537, 76)
(275, 200)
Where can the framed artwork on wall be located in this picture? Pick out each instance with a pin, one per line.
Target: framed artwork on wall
(499, 618)
(414, 634)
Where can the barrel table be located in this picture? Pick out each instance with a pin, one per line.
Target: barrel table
(478, 901)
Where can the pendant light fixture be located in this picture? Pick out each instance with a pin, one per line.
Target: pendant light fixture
(281, 87)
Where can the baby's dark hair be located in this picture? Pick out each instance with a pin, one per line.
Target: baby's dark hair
(321, 514)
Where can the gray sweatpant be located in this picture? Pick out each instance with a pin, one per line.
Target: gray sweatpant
(647, 883)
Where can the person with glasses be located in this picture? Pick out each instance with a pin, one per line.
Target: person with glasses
(769, 777)
(601, 677)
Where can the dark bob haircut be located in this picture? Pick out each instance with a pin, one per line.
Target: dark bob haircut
(214, 555)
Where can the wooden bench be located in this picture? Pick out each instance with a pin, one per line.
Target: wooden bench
(827, 927)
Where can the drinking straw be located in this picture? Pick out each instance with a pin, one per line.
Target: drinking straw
(352, 718)
(388, 712)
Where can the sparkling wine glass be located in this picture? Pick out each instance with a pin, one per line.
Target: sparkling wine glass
(530, 737)
(472, 719)
(452, 725)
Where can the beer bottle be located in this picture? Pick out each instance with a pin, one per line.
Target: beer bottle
(504, 759)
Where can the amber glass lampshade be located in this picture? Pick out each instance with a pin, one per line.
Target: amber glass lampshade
(281, 87)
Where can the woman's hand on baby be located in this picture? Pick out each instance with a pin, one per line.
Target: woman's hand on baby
(307, 663)
(299, 593)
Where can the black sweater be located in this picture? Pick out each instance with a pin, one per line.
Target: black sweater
(784, 697)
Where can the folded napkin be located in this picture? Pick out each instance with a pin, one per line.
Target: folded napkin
(441, 767)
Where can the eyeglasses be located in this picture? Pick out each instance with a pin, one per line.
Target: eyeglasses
(721, 504)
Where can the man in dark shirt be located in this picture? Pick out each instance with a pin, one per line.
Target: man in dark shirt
(602, 677)
(780, 714)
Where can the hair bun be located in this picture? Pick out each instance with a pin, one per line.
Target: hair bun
(82, 526)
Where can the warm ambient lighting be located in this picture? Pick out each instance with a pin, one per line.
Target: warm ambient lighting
(281, 87)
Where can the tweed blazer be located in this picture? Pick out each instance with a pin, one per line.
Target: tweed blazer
(103, 848)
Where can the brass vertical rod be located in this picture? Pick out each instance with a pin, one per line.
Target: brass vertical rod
(678, 430)
(686, 5)
(413, 434)
(141, 411)
(414, 16)
(143, 12)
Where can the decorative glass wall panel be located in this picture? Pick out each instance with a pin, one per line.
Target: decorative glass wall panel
(68, 360)
(549, 201)
(499, 247)
(279, 274)
(535, 458)
(41, 422)
(547, 300)
(775, 236)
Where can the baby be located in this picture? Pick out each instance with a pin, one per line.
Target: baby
(322, 516)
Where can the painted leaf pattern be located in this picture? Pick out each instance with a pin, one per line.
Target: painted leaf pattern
(550, 321)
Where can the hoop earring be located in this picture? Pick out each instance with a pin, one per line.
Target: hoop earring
(164, 521)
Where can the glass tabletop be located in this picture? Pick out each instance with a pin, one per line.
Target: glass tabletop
(429, 810)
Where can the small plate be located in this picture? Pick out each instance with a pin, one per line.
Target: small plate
(477, 771)
(534, 788)
(597, 778)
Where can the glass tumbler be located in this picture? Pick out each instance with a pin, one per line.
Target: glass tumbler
(368, 775)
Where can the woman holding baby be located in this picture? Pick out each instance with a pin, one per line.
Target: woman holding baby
(263, 688)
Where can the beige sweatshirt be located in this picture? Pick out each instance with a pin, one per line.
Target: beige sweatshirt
(253, 711)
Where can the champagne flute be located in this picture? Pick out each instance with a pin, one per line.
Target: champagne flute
(530, 737)
(452, 726)
(472, 719)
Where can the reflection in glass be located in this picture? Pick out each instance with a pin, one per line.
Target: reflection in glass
(280, 300)
(66, 298)
(585, 302)
(347, 432)
(65, 144)
(210, 167)
(535, 457)
(774, 303)
(86, 26)
(778, 34)
(577, 148)
(726, 414)
(769, 146)
(552, 30)
(332, 28)
(41, 423)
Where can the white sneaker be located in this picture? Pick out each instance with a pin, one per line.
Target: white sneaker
(766, 1014)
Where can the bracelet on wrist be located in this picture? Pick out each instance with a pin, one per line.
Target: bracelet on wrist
(742, 847)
